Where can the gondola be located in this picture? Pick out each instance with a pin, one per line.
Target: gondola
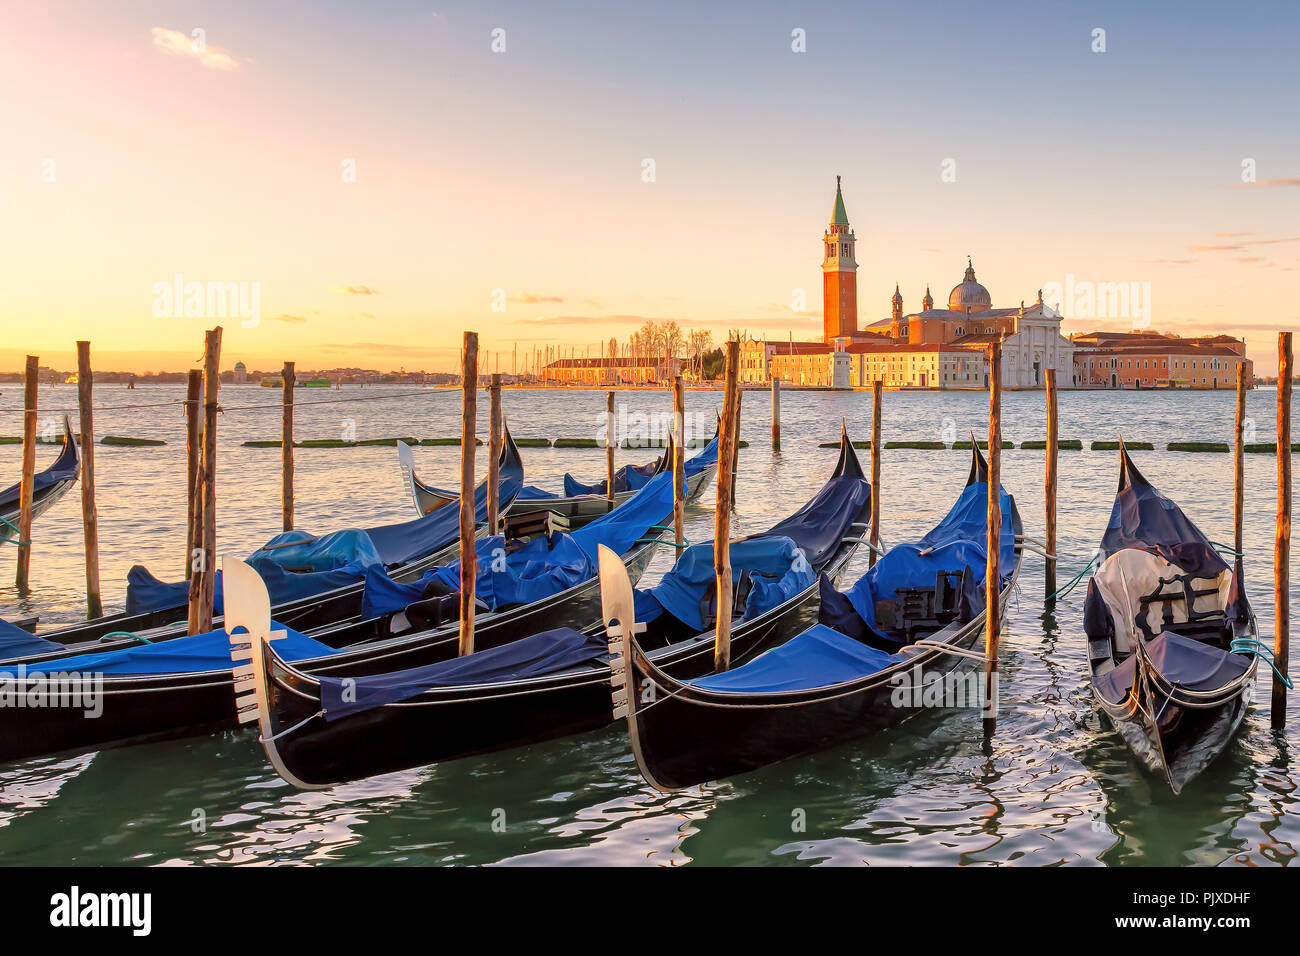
(48, 486)
(306, 598)
(321, 730)
(1171, 634)
(182, 686)
(580, 502)
(897, 641)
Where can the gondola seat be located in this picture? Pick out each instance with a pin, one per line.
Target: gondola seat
(1181, 661)
(1146, 595)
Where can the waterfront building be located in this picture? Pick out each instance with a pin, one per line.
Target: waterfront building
(1158, 360)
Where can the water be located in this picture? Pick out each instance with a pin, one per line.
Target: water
(1056, 786)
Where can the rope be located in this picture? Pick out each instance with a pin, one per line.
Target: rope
(112, 634)
(1072, 583)
(1224, 549)
(289, 730)
(1252, 645)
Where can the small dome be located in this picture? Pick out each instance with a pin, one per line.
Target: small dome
(970, 294)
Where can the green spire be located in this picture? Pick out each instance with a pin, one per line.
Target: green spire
(839, 217)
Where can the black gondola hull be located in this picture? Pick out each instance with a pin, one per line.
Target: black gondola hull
(168, 706)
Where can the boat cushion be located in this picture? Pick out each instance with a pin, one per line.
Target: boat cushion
(1182, 661)
(199, 652)
(15, 642)
(819, 657)
(545, 653)
(1130, 574)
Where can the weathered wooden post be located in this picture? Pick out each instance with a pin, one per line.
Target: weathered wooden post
(679, 462)
(1049, 484)
(26, 487)
(993, 569)
(286, 447)
(468, 426)
(203, 586)
(776, 413)
(877, 406)
(1239, 466)
(193, 466)
(495, 440)
(722, 509)
(1282, 542)
(735, 445)
(609, 448)
(89, 517)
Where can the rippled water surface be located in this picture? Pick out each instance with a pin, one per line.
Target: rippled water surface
(1055, 787)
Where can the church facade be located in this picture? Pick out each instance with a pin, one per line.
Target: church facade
(932, 348)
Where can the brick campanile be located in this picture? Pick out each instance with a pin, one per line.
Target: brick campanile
(839, 274)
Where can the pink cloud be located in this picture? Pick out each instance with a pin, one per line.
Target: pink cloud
(175, 43)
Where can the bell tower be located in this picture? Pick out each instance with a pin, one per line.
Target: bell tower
(839, 274)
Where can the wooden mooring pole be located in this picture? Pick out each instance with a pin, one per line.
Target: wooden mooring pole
(89, 517)
(722, 509)
(193, 466)
(877, 403)
(468, 426)
(735, 444)
(286, 447)
(203, 585)
(679, 462)
(993, 570)
(1239, 466)
(495, 440)
(609, 448)
(26, 487)
(1282, 542)
(1049, 485)
(776, 413)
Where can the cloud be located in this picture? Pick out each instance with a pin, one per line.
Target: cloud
(529, 298)
(1237, 246)
(354, 290)
(1284, 181)
(175, 43)
(286, 317)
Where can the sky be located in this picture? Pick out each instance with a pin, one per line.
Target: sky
(385, 179)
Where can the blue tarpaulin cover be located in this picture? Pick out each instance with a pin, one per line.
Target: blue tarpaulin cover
(337, 559)
(544, 653)
(627, 478)
(820, 525)
(776, 566)
(955, 543)
(819, 657)
(180, 655)
(15, 642)
(535, 571)
(533, 493)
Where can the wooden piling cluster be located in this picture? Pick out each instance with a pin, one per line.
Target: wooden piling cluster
(993, 570)
(722, 508)
(1282, 539)
(468, 425)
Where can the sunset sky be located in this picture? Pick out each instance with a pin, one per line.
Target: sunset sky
(128, 156)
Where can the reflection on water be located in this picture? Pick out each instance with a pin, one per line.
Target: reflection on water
(1056, 786)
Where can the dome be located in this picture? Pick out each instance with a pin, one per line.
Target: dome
(970, 294)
